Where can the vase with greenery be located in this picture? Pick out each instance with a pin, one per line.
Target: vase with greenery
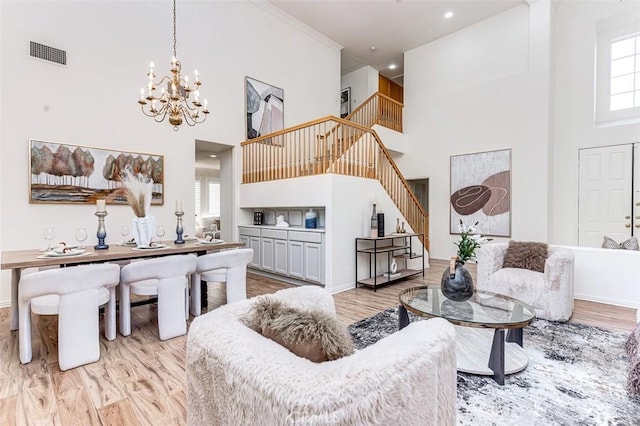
(456, 283)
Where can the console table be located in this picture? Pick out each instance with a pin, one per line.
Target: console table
(396, 246)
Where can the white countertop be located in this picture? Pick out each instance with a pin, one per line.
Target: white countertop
(284, 228)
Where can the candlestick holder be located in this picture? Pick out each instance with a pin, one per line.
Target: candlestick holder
(102, 231)
(179, 229)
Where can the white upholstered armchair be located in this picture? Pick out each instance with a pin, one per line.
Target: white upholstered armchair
(235, 376)
(550, 293)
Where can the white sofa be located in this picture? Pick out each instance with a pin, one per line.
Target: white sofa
(235, 376)
(550, 293)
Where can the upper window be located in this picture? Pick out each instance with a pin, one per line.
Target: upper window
(625, 73)
(618, 72)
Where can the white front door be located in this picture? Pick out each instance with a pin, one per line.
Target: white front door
(605, 194)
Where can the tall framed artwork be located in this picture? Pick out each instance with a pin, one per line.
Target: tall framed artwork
(61, 173)
(264, 107)
(481, 192)
(345, 102)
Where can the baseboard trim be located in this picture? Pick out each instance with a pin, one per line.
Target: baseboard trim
(606, 300)
(5, 303)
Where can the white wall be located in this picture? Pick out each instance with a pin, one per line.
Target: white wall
(573, 105)
(92, 101)
(483, 88)
(363, 83)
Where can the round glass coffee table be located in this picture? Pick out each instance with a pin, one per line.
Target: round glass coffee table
(480, 322)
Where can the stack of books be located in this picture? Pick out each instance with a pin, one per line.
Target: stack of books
(391, 274)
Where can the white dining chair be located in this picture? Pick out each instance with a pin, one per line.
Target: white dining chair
(228, 267)
(75, 294)
(165, 277)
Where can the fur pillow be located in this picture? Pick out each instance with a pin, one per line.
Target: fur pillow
(628, 244)
(311, 334)
(526, 255)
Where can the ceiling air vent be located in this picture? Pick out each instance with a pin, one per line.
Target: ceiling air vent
(48, 53)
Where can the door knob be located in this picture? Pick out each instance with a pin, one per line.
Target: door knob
(637, 217)
(627, 225)
(637, 225)
(627, 217)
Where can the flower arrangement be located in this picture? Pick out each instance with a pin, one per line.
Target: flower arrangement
(138, 191)
(469, 242)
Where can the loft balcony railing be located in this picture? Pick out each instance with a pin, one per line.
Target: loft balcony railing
(331, 145)
(378, 109)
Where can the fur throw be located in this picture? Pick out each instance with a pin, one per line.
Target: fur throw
(633, 351)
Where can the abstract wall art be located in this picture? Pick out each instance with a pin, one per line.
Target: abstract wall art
(345, 102)
(61, 173)
(265, 108)
(481, 192)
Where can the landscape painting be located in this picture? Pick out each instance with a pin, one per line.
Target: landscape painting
(61, 173)
(481, 192)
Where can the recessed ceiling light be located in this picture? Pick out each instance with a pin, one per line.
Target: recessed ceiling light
(392, 66)
(448, 14)
(212, 155)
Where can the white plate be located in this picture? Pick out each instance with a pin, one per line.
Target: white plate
(73, 252)
(210, 241)
(153, 247)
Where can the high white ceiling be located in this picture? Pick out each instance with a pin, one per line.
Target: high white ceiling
(392, 26)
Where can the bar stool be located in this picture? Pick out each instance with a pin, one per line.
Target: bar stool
(165, 277)
(75, 295)
(228, 267)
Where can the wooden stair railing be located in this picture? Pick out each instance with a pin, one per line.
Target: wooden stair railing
(331, 145)
(378, 109)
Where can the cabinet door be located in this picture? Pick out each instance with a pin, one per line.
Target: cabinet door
(266, 249)
(280, 256)
(296, 256)
(244, 239)
(313, 262)
(254, 243)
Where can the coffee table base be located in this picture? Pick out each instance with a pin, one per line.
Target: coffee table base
(473, 350)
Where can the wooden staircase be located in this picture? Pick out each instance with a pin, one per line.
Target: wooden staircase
(340, 146)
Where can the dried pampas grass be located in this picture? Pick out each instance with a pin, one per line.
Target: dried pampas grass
(138, 191)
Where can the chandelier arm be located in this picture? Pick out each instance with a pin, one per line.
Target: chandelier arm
(162, 113)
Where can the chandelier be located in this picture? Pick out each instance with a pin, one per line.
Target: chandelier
(175, 95)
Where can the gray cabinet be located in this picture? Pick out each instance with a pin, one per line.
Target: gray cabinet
(293, 253)
(266, 249)
(296, 262)
(280, 256)
(313, 262)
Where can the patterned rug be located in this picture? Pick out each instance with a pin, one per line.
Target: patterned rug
(576, 376)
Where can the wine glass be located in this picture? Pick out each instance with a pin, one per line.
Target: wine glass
(160, 232)
(81, 236)
(49, 235)
(124, 231)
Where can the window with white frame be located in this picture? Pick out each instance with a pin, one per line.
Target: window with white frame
(618, 72)
(207, 196)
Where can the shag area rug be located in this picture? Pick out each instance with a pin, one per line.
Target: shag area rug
(576, 376)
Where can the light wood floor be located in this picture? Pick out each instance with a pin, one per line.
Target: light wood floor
(141, 380)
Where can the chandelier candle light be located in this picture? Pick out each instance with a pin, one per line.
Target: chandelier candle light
(174, 100)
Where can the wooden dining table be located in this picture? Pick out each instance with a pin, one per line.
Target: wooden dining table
(18, 260)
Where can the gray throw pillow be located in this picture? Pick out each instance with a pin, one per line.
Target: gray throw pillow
(526, 255)
(628, 244)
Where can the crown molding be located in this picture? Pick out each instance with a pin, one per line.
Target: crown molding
(300, 26)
